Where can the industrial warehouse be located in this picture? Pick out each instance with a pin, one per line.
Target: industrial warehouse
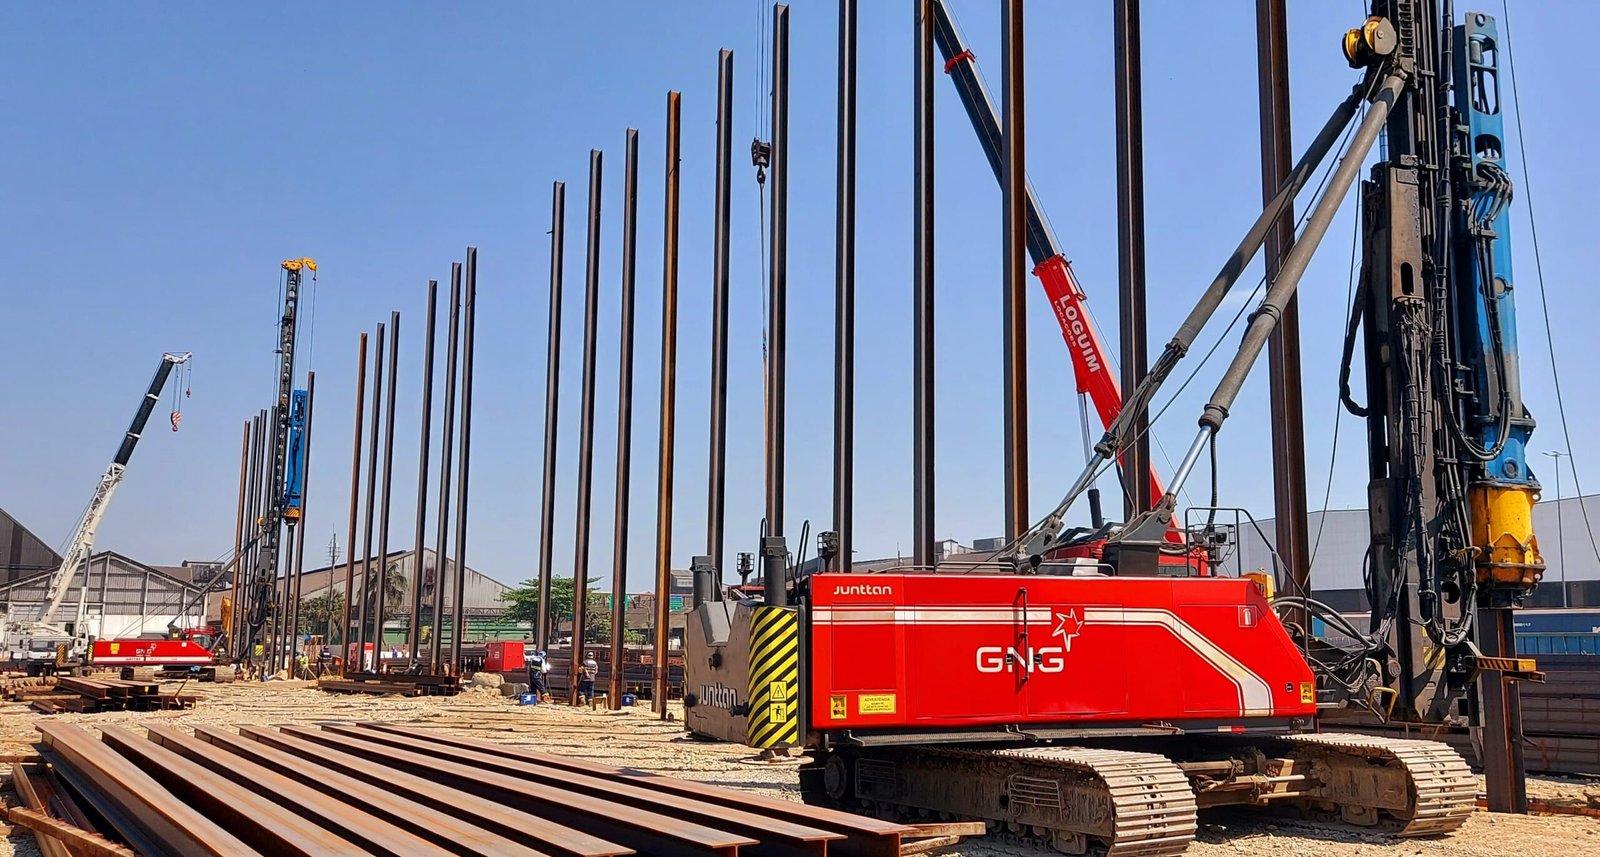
(976, 470)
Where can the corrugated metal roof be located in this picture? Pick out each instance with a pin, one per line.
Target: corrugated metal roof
(21, 552)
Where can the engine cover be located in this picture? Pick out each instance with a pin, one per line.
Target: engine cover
(716, 670)
(892, 651)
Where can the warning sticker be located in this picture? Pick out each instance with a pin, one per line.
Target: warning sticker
(875, 703)
(1308, 692)
(1432, 656)
(836, 707)
(777, 691)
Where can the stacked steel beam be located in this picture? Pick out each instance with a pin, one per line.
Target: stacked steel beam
(84, 695)
(355, 789)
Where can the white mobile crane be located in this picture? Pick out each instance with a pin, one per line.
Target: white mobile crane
(22, 633)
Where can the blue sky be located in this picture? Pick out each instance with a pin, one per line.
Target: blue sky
(161, 160)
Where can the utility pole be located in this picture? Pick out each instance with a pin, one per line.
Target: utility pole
(1561, 535)
(333, 560)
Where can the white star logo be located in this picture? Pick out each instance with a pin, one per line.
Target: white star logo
(1068, 625)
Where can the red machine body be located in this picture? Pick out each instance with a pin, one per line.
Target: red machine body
(149, 653)
(505, 656)
(951, 651)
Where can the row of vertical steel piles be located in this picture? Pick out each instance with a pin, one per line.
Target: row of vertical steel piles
(437, 596)
(364, 614)
(708, 568)
(360, 589)
(544, 629)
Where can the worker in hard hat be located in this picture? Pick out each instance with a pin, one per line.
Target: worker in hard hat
(589, 670)
(538, 665)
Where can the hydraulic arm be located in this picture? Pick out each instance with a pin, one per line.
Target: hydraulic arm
(1119, 433)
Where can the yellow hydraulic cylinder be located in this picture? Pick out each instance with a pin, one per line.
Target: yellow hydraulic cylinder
(1502, 529)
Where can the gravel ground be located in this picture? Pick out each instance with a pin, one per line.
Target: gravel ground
(635, 738)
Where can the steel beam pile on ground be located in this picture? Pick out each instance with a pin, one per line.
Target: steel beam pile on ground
(368, 788)
(405, 684)
(85, 695)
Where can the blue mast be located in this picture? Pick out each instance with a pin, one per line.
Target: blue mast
(294, 477)
(1495, 425)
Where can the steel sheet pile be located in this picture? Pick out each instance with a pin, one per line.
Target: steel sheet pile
(370, 788)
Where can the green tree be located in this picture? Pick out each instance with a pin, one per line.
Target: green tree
(522, 605)
(394, 586)
(321, 614)
(599, 619)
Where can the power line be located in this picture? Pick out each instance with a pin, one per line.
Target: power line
(1544, 296)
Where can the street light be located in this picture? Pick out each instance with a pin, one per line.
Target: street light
(1561, 538)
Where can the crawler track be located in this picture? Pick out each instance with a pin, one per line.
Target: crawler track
(1126, 803)
(1151, 809)
(1424, 787)
(1072, 799)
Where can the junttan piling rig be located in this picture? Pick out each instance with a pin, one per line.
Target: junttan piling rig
(1100, 706)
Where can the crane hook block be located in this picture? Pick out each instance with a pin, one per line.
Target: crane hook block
(296, 264)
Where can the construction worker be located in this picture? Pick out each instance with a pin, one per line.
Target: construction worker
(538, 665)
(590, 669)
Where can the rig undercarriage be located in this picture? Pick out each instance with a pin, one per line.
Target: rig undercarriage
(1139, 802)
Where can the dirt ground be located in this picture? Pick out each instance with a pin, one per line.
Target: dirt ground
(636, 738)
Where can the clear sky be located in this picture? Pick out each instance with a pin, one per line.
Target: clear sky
(160, 159)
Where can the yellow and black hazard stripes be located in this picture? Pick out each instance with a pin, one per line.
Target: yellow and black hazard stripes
(774, 719)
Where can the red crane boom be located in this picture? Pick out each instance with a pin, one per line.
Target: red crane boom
(1091, 364)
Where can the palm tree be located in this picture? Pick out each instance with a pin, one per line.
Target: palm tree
(394, 586)
(319, 611)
